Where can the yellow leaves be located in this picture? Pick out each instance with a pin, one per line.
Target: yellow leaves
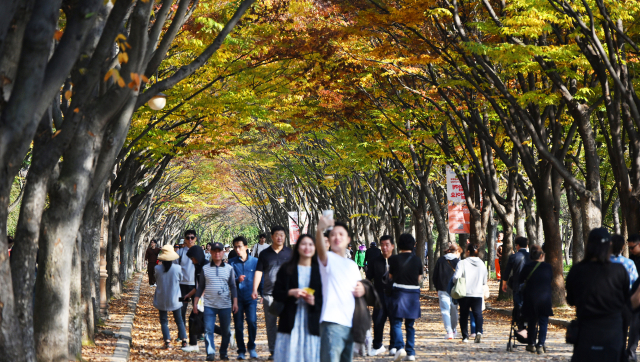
(123, 57)
(116, 77)
(67, 95)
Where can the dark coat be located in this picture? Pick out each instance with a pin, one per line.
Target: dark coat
(361, 317)
(371, 254)
(515, 264)
(537, 293)
(286, 281)
(443, 272)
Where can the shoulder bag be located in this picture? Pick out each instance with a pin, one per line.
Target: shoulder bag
(459, 289)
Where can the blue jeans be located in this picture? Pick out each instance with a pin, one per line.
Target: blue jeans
(336, 343)
(449, 312)
(540, 322)
(164, 324)
(209, 326)
(472, 321)
(396, 327)
(248, 308)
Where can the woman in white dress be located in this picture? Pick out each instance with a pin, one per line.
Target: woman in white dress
(298, 291)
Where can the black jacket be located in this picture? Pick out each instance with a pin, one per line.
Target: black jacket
(443, 272)
(286, 282)
(371, 254)
(375, 271)
(361, 317)
(515, 264)
(537, 293)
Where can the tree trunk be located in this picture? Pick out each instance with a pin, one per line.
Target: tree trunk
(75, 301)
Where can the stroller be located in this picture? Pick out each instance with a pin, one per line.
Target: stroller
(516, 338)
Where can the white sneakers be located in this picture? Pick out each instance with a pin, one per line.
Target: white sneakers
(191, 349)
(377, 352)
(449, 336)
(478, 338)
(392, 352)
(410, 358)
(400, 354)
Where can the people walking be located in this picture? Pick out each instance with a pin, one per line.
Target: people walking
(151, 256)
(187, 281)
(599, 290)
(371, 254)
(340, 286)
(498, 259)
(299, 288)
(217, 288)
(260, 246)
(512, 271)
(244, 267)
(405, 271)
(474, 271)
(207, 252)
(378, 273)
(535, 282)
(359, 258)
(196, 254)
(443, 272)
(167, 294)
(268, 265)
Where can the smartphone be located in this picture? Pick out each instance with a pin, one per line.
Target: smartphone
(328, 214)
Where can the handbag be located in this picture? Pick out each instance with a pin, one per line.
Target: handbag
(460, 287)
(571, 337)
(196, 323)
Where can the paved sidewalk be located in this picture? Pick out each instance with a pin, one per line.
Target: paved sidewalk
(430, 344)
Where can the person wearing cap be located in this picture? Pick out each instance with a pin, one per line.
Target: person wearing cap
(371, 254)
(244, 267)
(188, 279)
(167, 294)
(217, 288)
(260, 246)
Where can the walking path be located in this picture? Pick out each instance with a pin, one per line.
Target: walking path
(147, 342)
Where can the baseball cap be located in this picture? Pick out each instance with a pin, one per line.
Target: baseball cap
(218, 246)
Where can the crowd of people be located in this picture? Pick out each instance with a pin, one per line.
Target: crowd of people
(315, 295)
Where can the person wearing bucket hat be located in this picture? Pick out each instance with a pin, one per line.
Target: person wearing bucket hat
(167, 294)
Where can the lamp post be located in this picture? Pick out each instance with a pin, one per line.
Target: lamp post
(158, 101)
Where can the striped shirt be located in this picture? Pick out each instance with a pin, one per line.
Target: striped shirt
(217, 286)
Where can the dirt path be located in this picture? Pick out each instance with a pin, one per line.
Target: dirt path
(430, 344)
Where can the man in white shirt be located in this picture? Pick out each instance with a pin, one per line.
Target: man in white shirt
(340, 286)
(260, 246)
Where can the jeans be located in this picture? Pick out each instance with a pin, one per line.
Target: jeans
(449, 312)
(336, 343)
(209, 326)
(534, 323)
(271, 322)
(380, 316)
(472, 322)
(396, 327)
(248, 308)
(164, 325)
(184, 290)
(475, 304)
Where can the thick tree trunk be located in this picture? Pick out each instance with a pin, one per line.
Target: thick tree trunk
(576, 225)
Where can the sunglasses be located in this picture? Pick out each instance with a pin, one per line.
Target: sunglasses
(190, 237)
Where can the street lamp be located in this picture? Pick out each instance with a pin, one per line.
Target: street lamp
(158, 101)
(281, 199)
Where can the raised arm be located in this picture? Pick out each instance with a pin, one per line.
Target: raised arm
(321, 248)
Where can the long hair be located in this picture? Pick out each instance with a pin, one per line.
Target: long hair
(598, 246)
(167, 265)
(292, 264)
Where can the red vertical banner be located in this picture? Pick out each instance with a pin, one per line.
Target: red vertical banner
(457, 205)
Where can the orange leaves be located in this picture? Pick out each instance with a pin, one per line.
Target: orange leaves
(116, 77)
(67, 94)
(123, 57)
(57, 35)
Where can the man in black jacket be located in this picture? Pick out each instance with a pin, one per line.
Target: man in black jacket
(512, 271)
(371, 254)
(378, 266)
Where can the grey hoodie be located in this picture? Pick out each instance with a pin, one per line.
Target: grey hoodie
(475, 273)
